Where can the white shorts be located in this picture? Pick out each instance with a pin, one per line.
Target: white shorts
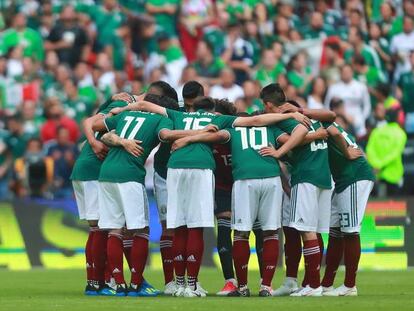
(160, 193)
(86, 194)
(123, 204)
(285, 210)
(190, 198)
(259, 199)
(348, 206)
(310, 208)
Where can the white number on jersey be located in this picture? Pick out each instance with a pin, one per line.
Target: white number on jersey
(317, 144)
(248, 137)
(196, 123)
(138, 123)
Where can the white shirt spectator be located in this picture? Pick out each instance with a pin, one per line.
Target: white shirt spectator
(313, 103)
(402, 44)
(356, 101)
(232, 93)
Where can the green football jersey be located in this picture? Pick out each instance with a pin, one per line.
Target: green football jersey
(161, 158)
(196, 155)
(344, 171)
(87, 166)
(120, 166)
(309, 162)
(245, 143)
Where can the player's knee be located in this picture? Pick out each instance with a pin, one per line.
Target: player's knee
(242, 234)
(308, 235)
(223, 215)
(268, 233)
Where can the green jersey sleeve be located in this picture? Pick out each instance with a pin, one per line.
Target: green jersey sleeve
(173, 114)
(288, 126)
(278, 133)
(112, 122)
(165, 123)
(224, 121)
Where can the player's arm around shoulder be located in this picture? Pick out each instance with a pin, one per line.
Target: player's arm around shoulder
(350, 152)
(271, 118)
(220, 137)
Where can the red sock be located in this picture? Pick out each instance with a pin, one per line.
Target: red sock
(312, 255)
(352, 253)
(321, 249)
(108, 271)
(180, 252)
(127, 245)
(166, 249)
(293, 251)
(195, 249)
(99, 255)
(89, 254)
(241, 255)
(270, 256)
(115, 257)
(139, 256)
(334, 255)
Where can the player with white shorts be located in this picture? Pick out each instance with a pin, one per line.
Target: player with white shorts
(354, 181)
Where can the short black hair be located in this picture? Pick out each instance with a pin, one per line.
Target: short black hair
(273, 93)
(384, 89)
(192, 89)
(163, 101)
(359, 60)
(335, 103)
(165, 89)
(226, 107)
(205, 103)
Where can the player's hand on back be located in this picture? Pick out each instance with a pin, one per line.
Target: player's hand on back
(100, 149)
(288, 108)
(322, 133)
(269, 151)
(179, 143)
(124, 96)
(211, 128)
(115, 111)
(133, 147)
(302, 119)
(354, 153)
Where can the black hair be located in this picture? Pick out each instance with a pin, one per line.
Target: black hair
(384, 89)
(163, 101)
(335, 103)
(192, 89)
(205, 103)
(165, 89)
(359, 60)
(274, 94)
(226, 107)
(294, 103)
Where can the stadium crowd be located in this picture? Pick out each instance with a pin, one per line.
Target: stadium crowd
(59, 60)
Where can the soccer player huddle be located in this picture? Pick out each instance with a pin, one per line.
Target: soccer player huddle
(287, 168)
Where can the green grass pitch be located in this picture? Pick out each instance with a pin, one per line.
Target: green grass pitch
(45, 290)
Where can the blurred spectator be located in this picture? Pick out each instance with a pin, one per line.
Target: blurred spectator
(189, 74)
(384, 153)
(358, 46)
(63, 152)
(33, 172)
(406, 94)
(207, 65)
(238, 54)
(299, 74)
(6, 161)
(228, 88)
(391, 104)
(269, 68)
(381, 45)
(332, 63)
(251, 91)
(355, 96)
(401, 45)
(55, 119)
(22, 36)
(165, 13)
(387, 18)
(194, 15)
(68, 39)
(317, 94)
(317, 28)
(16, 139)
(76, 107)
(31, 118)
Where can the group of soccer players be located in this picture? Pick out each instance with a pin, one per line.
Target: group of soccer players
(259, 173)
